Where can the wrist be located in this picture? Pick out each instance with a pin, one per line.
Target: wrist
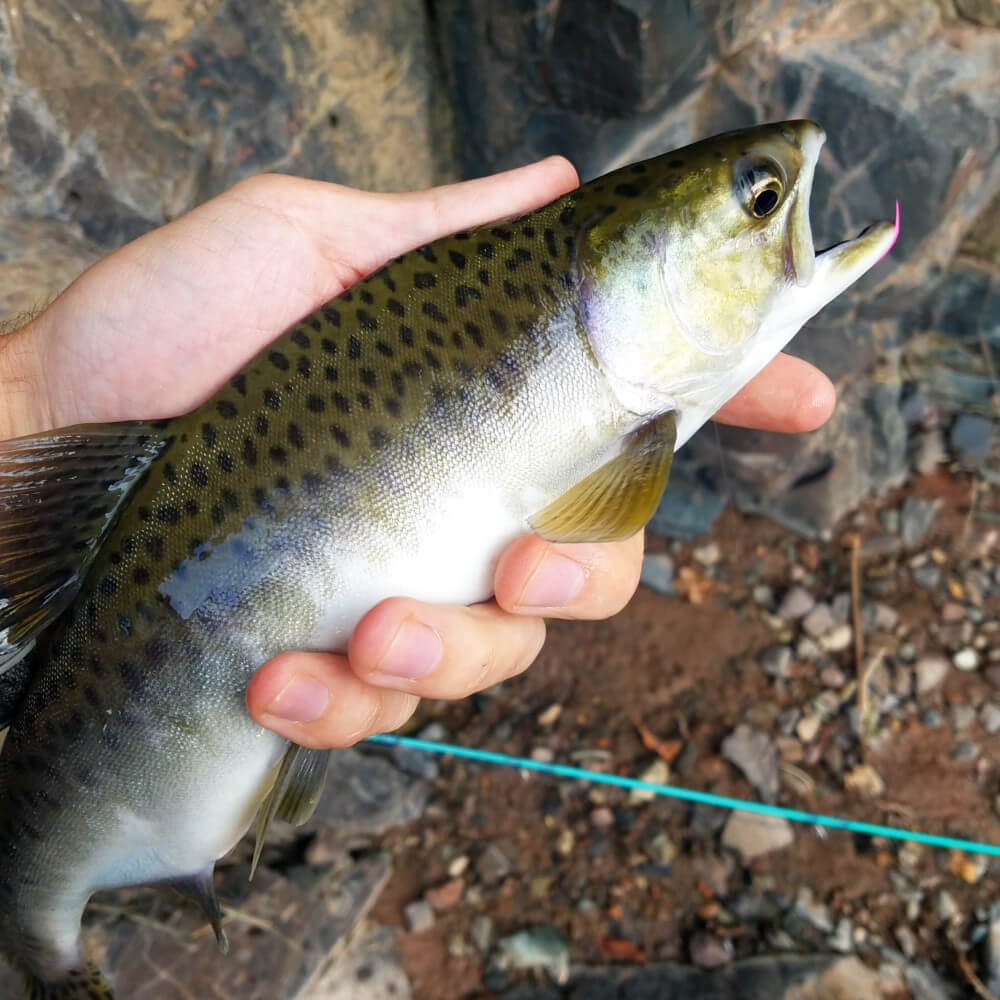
(22, 387)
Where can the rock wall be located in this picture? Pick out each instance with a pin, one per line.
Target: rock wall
(909, 93)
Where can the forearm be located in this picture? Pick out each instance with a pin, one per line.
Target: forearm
(23, 398)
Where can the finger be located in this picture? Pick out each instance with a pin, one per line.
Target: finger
(317, 700)
(580, 580)
(442, 651)
(788, 395)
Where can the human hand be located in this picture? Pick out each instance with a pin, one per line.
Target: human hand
(154, 328)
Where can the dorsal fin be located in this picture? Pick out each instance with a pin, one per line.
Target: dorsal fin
(59, 494)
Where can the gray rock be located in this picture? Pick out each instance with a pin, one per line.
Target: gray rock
(927, 575)
(916, 517)
(481, 933)
(710, 951)
(970, 438)
(755, 754)
(752, 835)
(776, 661)
(419, 916)
(493, 865)
(989, 716)
(962, 716)
(819, 621)
(930, 672)
(541, 947)
(658, 572)
(796, 604)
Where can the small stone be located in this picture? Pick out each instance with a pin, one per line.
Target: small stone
(966, 659)
(832, 677)
(816, 913)
(906, 940)
(843, 937)
(419, 916)
(752, 835)
(549, 716)
(928, 451)
(962, 716)
(565, 841)
(903, 681)
(928, 576)
(989, 716)
(865, 780)
(808, 727)
(603, 818)
(481, 932)
(709, 951)
(840, 608)
(776, 661)
(889, 519)
(947, 908)
(492, 865)
(930, 671)
(544, 755)
(763, 595)
(541, 947)
(953, 612)
(661, 849)
(807, 649)
(796, 603)
(916, 517)
(444, 897)
(965, 750)
(819, 621)
(658, 573)
(456, 946)
(708, 555)
(656, 772)
(970, 438)
(838, 638)
(885, 619)
(458, 865)
(968, 867)
(754, 753)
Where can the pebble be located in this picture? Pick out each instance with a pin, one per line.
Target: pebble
(458, 865)
(970, 437)
(928, 451)
(962, 716)
(658, 573)
(752, 835)
(865, 780)
(661, 849)
(481, 932)
(832, 677)
(968, 867)
(419, 916)
(763, 595)
(947, 908)
(754, 753)
(808, 727)
(928, 576)
(796, 603)
(906, 940)
(445, 896)
(565, 841)
(819, 621)
(806, 649)
(544, 755)
(776, 661)
(657, 772)
(930, 671)
(709, 951)
(602, 818)
(708, 555)
(966, 659)
(884, 618)
(540, 947)
(843, 937)
(492, 865)
(549, 715)
(989, 716)
(915, 519)
(838, 638)
(812, 910)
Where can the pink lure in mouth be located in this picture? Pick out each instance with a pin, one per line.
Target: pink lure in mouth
(895, 235)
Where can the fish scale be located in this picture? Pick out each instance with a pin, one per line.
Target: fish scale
(393, 441)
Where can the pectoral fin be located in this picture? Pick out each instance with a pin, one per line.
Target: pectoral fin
(295, 793)
(59, 494)
(617, 499)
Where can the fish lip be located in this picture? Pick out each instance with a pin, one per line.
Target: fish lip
(851, 258)
(872, 230)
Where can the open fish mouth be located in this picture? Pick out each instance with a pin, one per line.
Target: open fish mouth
(843, 263)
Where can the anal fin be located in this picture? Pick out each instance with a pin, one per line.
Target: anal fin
(616, 500)
(295, 793)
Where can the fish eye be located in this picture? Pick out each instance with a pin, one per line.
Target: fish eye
(759, 185)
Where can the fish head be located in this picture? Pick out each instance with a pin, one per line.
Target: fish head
(706, 267)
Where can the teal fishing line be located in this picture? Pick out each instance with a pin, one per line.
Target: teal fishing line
(687, 794)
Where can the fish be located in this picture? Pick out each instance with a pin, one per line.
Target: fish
(534, 374)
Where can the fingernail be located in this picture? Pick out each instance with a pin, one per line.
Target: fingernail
(555, 582)
(302, 699)
(414, 651)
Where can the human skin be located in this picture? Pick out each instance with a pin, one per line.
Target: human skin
(153, 329)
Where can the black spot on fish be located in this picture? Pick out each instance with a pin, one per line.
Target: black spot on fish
(154, 546)
(517, 258)
(424, 279)
(168, 514)
(311, 483)
(457, 339)
(367, 320)
(230, 499)
(435, 338)
(427, 253)
(260, 498)
(226, 409)
(413, 369)
(218, 513)
(108, 586)
(550, 243)
(432, 359)
(638, 168)
(530, 294)
(378, 438)
(499, 321)
(365, 400)
(272, 400)
(295, 438)
(282, 485)
(500, 233)
(461, 235)
(208, 435)
(465, 371)
(354, 348)
(340, 435)
(392, 405)
(384, 348)
(261, 425)
(366, 297)
(511, 290)
(484, 277)
(347, 296)
(342, 402)
(458, 259)
(476, 333)
(191, 508)
(528, 232)
(130, 675)
(301, 338)
(675, 164)
(567, 215)
(465, 292)
(314, 323)
(157, 651)
(398, 385)
(485, 250)
(328, 345)
(128, 545)
(395, 307)
(627, 191)
(304, 366)
(239, 383)
(315, 404)
(225, 461)
(406, 334)
(198, 474)
(169, 473)
(431, 310)
(330, 373)
(140, 575)
(331, 315)
(368, 377)
(386, 278)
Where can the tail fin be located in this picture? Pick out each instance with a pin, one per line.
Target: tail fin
(78, 984)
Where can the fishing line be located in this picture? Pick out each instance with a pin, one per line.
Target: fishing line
(687, 794)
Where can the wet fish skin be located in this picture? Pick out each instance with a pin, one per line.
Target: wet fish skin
(391, 442)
